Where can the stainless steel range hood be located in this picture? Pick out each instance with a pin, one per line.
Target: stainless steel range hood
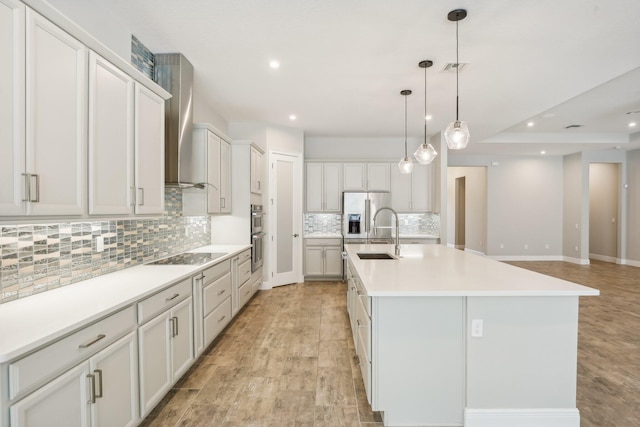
(174, 73)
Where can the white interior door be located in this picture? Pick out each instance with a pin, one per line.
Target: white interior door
(285, 195)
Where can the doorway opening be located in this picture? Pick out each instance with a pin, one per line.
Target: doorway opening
(604, 211)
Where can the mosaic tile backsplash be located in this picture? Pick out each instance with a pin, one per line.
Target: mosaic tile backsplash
(142, 58)
(38, 257)
(418, 223)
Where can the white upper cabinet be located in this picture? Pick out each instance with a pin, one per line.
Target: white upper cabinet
(378, 177)
(210, 163)
(225, 177)
(56, 117)
(149, 151)
(256, 171)
(12, 148)
(110, 138)
(367, 177)
(324, 187)
(412, 192)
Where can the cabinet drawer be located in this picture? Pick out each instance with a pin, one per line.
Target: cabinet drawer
(213, 273)
(216, 292)
(365, 366)
(216, 321)
(245, 293)
(244, 255)
(363, 327)
(323, 242)
(362, 296)
(244, 272)
(163, 300)
(44, 364)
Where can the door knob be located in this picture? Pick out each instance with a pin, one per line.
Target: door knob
(296, 235)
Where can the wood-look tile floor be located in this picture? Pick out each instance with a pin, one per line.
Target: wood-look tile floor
(286, 360)
(608, 391)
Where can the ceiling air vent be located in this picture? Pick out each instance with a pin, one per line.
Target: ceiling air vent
(573, 126)
(451, 67)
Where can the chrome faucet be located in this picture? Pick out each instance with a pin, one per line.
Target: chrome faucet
(397, 248)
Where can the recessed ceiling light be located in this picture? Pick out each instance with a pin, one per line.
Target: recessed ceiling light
(530, 124)
(292, 117)
(274, 64)
(428, 117)
(632, 124)
(543, 152)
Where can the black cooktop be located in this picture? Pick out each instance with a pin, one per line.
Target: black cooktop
(188, 258)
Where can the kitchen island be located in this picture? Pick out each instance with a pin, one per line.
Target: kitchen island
(448, 338)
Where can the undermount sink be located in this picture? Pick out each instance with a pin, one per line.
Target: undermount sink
(375, 255)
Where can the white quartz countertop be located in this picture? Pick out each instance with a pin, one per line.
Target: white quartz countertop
(28, 323)
(437, 270)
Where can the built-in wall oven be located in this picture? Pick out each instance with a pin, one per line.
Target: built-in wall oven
(257, 237)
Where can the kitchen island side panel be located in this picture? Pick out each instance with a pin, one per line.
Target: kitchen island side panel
(418, 360)
(527, 356)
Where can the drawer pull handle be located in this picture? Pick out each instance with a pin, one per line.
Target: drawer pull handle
(222, 292)
(90, 343)
(247, 272)
(173, 297)
(222, 318)
(360, 325)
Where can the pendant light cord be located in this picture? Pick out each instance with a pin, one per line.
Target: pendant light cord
(405, 126)
(425, 104)
(457, 70)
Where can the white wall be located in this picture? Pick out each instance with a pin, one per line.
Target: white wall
(603, 210)
(475, 204)
(633, 205)
(524, 207)
(99, 22)
(358, 148)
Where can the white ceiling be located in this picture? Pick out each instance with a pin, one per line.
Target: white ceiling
(344, 62)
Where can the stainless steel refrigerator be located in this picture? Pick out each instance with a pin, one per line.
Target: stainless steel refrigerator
(358, 210)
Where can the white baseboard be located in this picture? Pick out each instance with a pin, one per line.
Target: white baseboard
(605, 258)
(527, 257)
(473, 251)
(576, 260)
(542, 417)
(630, 262)
(265, 286)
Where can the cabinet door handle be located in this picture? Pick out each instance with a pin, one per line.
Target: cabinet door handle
(222, 292)
(141, 192)
(27, 187)
(92, 388)
(172, 298)
(174, 326)
(98, 373)
(37, 198)
(259, 186)
(222, 318)
(92, 342)
(223, 202)
(360, 325)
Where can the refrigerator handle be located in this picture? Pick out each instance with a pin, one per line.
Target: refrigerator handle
(367, 215)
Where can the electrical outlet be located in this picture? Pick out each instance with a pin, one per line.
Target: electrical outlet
(477, 328)
(526, 246)
(546, 246)
(501, 245)
(99, 244)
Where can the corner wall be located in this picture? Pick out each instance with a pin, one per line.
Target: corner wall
(633, 207)
(475, 203)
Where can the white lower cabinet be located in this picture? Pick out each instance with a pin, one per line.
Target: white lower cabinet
(323, 258)
(166, 349)
(102, 391)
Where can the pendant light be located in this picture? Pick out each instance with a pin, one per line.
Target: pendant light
(425, 153)
(406, 164)
(457, 133)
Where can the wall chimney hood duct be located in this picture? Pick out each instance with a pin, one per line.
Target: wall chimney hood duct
(174, 73)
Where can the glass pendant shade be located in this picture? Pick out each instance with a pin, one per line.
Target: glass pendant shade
(457, 135)
(405, 165)
(425, 154)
